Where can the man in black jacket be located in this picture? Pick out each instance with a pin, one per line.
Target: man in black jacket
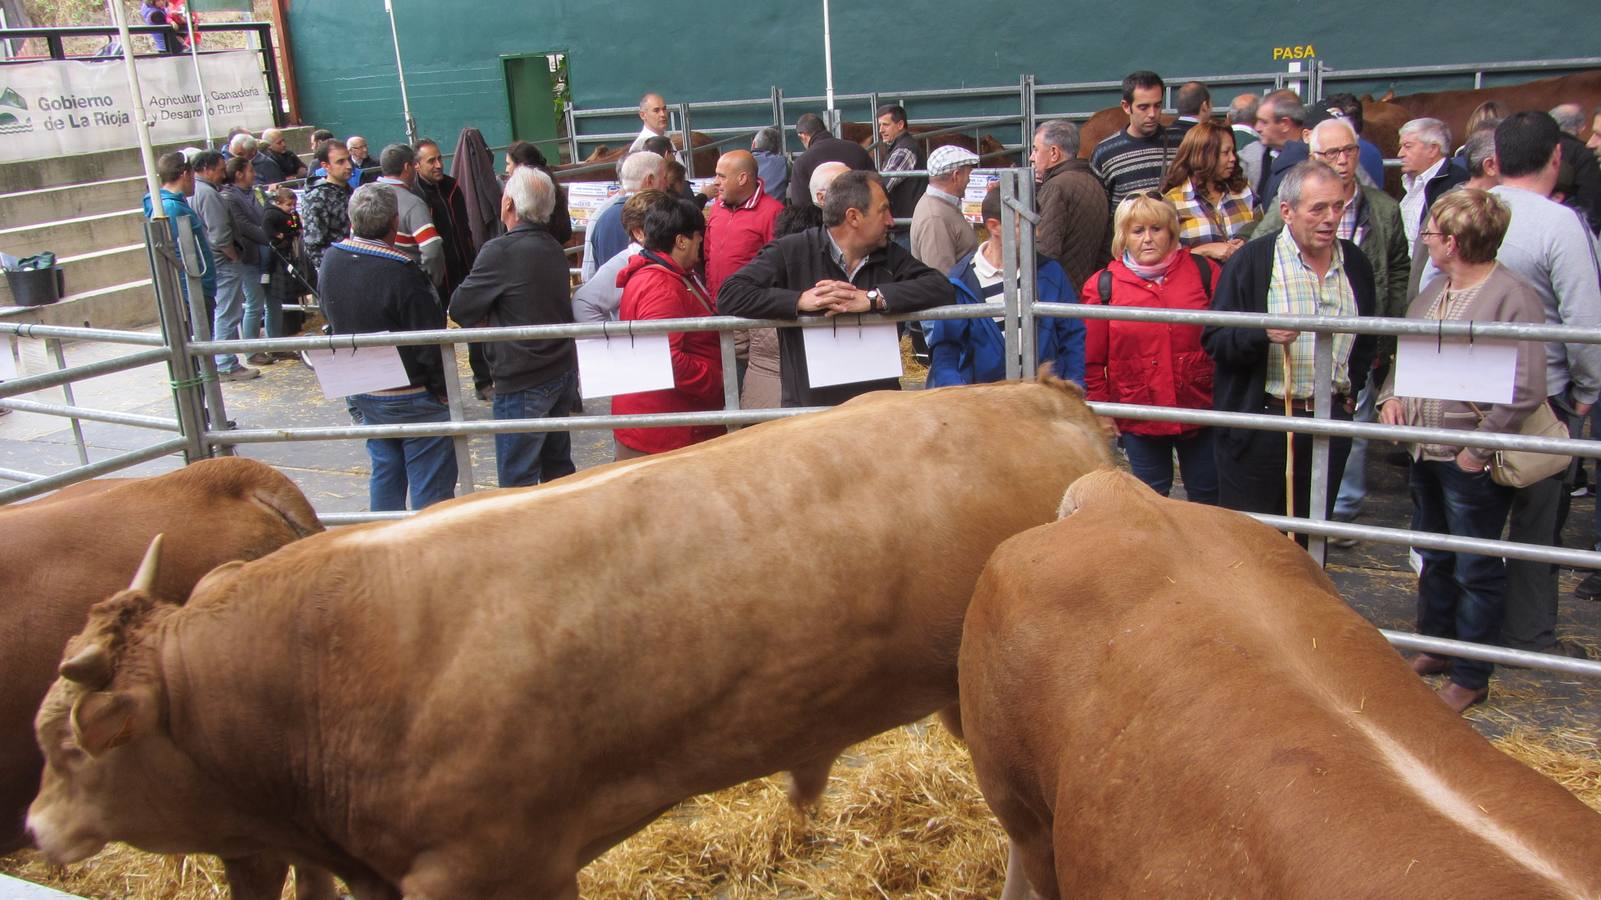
(846, 266)
(821, 147)
(902, 152)
(448, 205)
(1305, 269)
(520, 278)
(369, 286)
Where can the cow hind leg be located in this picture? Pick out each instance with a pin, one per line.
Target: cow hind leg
(808, 780)
(1025, 881)
(255, 877)
(951, 718)
(314, 884)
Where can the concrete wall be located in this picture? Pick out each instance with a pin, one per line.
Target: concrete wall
(717, 49)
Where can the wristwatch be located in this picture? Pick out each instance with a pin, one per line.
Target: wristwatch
(875, 301)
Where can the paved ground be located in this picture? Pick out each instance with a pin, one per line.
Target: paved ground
(1374, 578)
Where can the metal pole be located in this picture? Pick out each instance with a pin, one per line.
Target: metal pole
(1025, 99)
(186, 395)
(828, 71)
(688, 138)
(1009, 268)
(1323, 408)
(400, 70)
(872, 110)
(778, 120)
(54, 345)
(464, 457)
(194, 57)
(200, 324)
(142, 124)
(1028, 289)
(725, 343)
(572, 131)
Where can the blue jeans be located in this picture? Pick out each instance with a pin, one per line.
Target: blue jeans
(427, 465)
(1151, 458)
(237, 289)
(1460, 595)
(255, 300)
(1354, 486)
(537, 456)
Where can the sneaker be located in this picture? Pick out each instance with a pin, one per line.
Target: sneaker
(1589, 588)
(260, 359)
(1345, 543)
(242, 373)
(1582, 490)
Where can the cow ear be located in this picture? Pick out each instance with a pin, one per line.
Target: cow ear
(102, 720)
(90, 668)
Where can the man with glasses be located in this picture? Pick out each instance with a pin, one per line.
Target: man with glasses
(1304, 269)
(1372, 221)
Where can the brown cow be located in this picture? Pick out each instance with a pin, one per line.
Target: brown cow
(1454, 107)
(1171, 700)
(705, 160)
(479, 700)
(991, 151)
(72, 549)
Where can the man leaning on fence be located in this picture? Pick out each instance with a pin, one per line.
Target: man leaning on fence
(369, 286)
(1303, 270)
(520, 278)
(847, 266)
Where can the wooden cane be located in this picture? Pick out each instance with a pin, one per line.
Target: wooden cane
(1289, 442)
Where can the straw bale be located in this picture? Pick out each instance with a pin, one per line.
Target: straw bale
(902, 817)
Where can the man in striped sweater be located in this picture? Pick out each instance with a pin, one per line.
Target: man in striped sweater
(1136, 158)
(415, 234)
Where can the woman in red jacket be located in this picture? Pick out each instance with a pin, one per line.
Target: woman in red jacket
(659, 283)
(1154, 363)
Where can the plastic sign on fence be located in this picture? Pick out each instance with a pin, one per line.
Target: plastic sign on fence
(624, 364)
(585, 197)
(845, 351)
(358, 370)
(59, 108)
(1479, 371)
(978, 184)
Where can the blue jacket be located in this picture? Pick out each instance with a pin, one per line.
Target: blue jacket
(177, 209)
(973, 351)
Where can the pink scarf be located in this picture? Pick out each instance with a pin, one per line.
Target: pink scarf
(1151, 273)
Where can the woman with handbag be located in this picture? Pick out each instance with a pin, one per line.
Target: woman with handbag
(1462, 595)
(660, 283)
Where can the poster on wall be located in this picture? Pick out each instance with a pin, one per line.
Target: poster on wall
(66, 107)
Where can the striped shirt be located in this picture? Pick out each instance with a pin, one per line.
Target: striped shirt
(1127, 165)
(1201, 222)
(1296, 290)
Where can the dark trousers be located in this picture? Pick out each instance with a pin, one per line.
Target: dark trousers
(1538, 514)
(1460, 595)
(1253, 481)
(1151, 458)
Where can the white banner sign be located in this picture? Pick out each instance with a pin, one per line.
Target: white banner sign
(1478, 372)
(624, 365)
(61, 108)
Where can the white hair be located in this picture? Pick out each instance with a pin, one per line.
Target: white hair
(1318, 129)
(636, 167)
(242, 144)
(1429, 131)
(270, 135)
(823, 176)
(532, 194)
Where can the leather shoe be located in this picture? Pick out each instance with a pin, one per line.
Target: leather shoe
(1460, 698)
(1429, 664)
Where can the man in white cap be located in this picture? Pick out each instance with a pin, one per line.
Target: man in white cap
(940, 234)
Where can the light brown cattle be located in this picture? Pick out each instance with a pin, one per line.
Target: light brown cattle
(1454, 107)
(479, 700)
(1171, 700)
(705, 159)
(72, 549)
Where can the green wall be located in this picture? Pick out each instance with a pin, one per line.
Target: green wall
(716, 49)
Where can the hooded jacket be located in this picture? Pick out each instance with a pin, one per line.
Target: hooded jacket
(973, 351)
(654, 287)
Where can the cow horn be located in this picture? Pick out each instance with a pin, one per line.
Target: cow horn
(90, 668)
(145, 578)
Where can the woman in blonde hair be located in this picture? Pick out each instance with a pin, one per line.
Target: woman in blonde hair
(1153, 363)
(1462, 595)
(1205, 184)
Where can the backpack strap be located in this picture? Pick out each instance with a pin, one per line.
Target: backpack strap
(1206, 274)
(1103, 285)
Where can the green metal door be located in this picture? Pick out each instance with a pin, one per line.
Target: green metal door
(531, 101)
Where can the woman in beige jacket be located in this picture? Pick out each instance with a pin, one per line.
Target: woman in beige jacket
(1461, 595)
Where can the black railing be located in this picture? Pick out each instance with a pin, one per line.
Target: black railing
(55, 41)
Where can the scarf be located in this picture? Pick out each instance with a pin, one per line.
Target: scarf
(1154, 272)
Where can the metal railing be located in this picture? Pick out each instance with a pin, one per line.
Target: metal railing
(197, 402)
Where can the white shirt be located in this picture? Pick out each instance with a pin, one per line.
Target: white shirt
(987, 274)
(1412, 204)
(645, 134)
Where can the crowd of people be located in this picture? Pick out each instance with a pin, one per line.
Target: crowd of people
(1276, 206)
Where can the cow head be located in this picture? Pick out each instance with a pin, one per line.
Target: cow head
(101, 723)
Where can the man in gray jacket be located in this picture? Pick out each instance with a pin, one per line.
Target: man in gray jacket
(415, 235)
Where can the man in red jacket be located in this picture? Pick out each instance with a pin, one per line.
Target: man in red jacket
(740, 222)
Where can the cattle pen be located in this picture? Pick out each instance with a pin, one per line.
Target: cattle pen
(904, 811)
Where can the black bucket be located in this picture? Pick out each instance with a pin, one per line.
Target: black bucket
(35, 287)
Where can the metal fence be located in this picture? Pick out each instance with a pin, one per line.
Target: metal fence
(201, 416)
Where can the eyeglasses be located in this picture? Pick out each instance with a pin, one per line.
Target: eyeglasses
(1148, 195)
(1337, 152)
(1439, 234)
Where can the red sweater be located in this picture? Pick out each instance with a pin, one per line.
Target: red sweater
(652, 290)
(733, 236)
(1149, 363)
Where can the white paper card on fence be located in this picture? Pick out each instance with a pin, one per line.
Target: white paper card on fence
(345, 371)
(623, 364)
(1478, 372)
(8, 362)
(846, 351)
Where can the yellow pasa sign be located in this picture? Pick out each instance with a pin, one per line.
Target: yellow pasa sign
(1298, 51)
